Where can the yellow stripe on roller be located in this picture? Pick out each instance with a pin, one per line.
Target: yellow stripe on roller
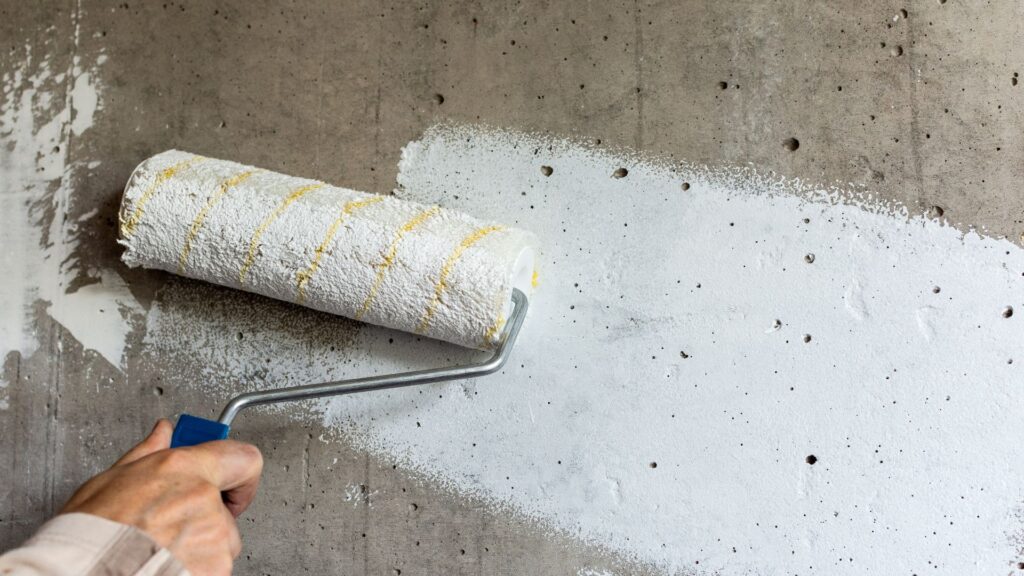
(442, 280)
(197, 224)
(304, 276)
(498, 325)
(129, 224)
(254, 244)
(389, 256)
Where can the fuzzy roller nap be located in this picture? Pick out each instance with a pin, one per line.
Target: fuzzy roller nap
(373, 258)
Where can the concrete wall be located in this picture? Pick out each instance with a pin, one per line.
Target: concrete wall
(922, 108)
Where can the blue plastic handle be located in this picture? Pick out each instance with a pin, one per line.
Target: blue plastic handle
(192, 430)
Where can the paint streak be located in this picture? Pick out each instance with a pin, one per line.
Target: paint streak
(442, 279)
(197, 224)
(130, 222)
(303, 277)
(389, 256)
(254, 244)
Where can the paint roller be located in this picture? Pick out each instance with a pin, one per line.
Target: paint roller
(377, 259)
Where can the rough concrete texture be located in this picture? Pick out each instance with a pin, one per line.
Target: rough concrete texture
(924, 109)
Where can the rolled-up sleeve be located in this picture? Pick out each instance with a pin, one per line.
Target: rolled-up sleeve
(83, 544)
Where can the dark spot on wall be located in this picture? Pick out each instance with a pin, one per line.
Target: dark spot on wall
(811, 459)
(809, 258)
(546, 170)
(936, 289)
(791, 144)
(653, 464)
(620, 173)
(684, 354)
(1008, 311)
(807, 338)
(686, 185)
(723, 85)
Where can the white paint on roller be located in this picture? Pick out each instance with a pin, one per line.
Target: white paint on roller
(404, 265)
(650, 341)
(36, 187)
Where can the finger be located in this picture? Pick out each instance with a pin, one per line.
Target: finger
(233, 467)
(158, 439)
(234, 538)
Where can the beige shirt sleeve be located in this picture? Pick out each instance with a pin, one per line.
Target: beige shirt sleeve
(87, 545)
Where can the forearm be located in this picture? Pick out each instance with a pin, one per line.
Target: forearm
(73, 544)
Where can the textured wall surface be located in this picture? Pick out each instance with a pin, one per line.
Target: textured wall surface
(917, 102)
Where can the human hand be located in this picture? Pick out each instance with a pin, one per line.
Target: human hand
(186, 499)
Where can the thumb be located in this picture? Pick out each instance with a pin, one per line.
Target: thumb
(158, 439)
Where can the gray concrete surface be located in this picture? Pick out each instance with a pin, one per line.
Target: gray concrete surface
(922, 109)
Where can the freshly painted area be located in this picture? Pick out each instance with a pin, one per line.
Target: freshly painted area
(685, 361)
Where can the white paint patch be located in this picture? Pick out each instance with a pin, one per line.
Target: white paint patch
(4, 403)
(653, 406)
(593, 572)
(85, 100)
(37, 185)
(359, 495)
(99, 316)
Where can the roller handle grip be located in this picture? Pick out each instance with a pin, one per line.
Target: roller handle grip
(192, 430)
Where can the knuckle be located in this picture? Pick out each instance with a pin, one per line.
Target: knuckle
(174, 461)
(253, 454)
(202, 494)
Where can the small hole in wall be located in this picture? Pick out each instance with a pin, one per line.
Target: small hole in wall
(686, 185)
(807, 220)
(239, 336)
(683, 354)
(438, 99)
(936, 212)
(807, 338)
(1008, 311)
(723, 85)
(936, 289)
(809, 258)
(620, 173)
(896, 51)
(811, 459)
(653, 464)
(791, 144)
(1020, 565)
(547, 170)
(158, 391)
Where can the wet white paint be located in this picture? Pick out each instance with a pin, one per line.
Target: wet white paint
(662, 401)
(37, 112)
